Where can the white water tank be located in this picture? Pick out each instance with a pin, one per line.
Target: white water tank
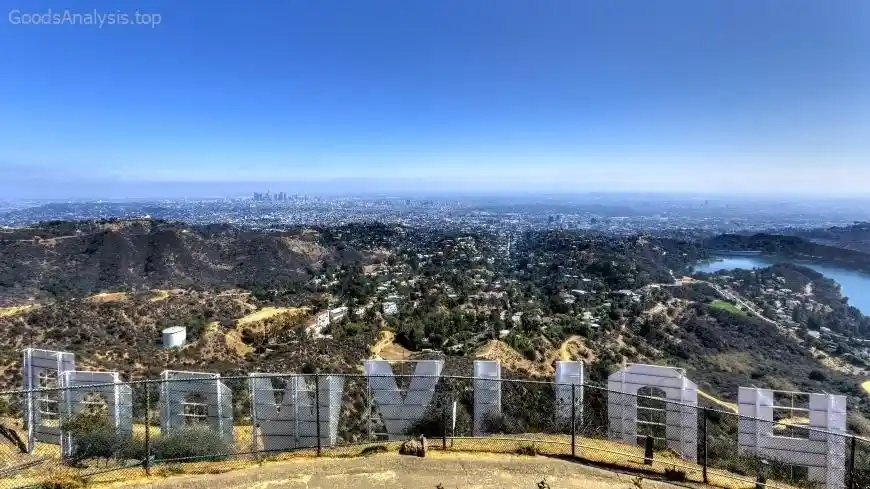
(174, 336)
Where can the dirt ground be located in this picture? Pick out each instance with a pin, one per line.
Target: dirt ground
(452, 471)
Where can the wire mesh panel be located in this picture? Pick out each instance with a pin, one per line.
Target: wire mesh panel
(633, 415)
(487, 394)
(398, 406)
(42, 369)
(295, 411)
(356, 426)
(196, 420)
(858, 461)
(815, 453)
(569, 389)
(95, 399)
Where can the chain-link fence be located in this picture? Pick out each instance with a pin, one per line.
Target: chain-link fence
(198, 423)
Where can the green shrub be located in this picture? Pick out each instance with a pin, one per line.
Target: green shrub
(497, 423)
(61, 479)
(191, 442)
(675, 474)
(93, 436)
(374, 450)
(528, 450)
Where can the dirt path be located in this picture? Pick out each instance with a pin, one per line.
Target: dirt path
(715, 400)
(466, 471)
(385, 338)
(575, 345)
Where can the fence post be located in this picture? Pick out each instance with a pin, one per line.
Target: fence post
(444, 424)
(704, 453)
(255, 425)
(147, 462)
(852, 463)
(317, 408)
(761, 475)
(648, 450)
(573, 420)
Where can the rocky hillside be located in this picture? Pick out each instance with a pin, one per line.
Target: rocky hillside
(62, 259)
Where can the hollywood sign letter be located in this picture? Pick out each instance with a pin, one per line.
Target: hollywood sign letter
(681, 394)
(286, 418)
(42, 369)
(569, 385)
(487, 393)
(399, 412)
(91, 392)
(195, 398)
(823, 453)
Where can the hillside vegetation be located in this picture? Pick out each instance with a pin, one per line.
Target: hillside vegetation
(63, 260)
(248, 299)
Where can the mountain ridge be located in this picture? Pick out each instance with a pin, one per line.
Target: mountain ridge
(64, 260)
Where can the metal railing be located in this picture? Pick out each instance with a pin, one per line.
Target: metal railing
(193, 425)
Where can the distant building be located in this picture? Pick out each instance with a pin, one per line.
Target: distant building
(337, 314)
(393, 298)
(321, 320)
(567, 298)
(390, 308)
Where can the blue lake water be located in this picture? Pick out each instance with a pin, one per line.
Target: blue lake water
(854, 284)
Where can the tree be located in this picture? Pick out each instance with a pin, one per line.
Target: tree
(818, 376)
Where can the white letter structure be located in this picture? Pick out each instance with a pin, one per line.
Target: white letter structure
(569, 376)
(177, 387)
(398, 412)
(823, 453)
(118, 398)
(41, 407)
(286, 418)
(487, 393)
(681, 419)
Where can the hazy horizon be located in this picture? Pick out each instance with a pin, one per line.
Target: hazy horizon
(60, 191)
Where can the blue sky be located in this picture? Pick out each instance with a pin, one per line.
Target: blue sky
(554, 95)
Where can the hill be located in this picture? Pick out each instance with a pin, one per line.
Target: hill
(64, 260)
(855, 237)
(793, 247)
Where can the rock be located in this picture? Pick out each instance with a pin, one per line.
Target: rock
(410, 447)
(416, 448)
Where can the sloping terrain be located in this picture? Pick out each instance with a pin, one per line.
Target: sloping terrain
(228, 332)
(122, 255)
(790, 246)
(106, 290)
(855, 237)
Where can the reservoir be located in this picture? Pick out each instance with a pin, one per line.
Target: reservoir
(853, 284)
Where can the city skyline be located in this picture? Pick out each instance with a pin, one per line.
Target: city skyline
(722, 97)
